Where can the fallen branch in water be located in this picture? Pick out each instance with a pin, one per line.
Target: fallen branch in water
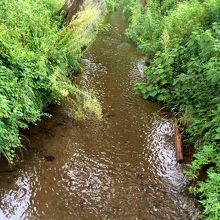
(178, 143)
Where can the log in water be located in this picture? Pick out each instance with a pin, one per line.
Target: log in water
(178, 143)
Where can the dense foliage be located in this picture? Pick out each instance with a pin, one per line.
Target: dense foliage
(181, 40)
(36, 57)
(111, 5)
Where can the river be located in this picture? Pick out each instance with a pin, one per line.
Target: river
(122, 167)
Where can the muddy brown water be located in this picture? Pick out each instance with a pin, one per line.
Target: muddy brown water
(122, 167)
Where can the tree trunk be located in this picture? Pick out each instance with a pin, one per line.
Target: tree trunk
(70, 8)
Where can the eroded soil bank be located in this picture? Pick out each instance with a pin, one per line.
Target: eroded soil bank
(122, 167)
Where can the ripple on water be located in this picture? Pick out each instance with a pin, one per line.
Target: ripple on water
(122, 167)
(14, 202)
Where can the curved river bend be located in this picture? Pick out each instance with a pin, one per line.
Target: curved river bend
(122, 167)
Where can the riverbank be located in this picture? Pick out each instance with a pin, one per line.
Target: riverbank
(38, 56)
(181, 42)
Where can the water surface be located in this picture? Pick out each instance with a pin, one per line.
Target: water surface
(122, 167)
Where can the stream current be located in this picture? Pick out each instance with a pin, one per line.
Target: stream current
(122, 167)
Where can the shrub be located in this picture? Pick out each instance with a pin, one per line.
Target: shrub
(36, 58)
(145, 27)
(184, 75)
(111, 5)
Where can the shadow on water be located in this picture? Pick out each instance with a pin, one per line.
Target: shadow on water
(122, 167)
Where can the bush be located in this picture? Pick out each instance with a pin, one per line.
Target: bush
(184, 74)
(145, 27)
(111, 5)
(36, 58)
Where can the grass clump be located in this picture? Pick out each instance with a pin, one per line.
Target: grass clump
(181, 40)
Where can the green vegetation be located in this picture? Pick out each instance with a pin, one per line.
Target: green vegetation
(111, 5)
(181, 40)
(37, 56)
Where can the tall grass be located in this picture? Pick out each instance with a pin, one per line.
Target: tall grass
(37, 56)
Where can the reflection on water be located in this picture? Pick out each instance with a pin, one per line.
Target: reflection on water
(16, 201)
(122, 167)
(163, 153)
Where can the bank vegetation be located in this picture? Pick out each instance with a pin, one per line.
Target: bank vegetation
(181, 41)
(38, 56)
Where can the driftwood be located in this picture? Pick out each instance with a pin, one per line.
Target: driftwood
(178, 143)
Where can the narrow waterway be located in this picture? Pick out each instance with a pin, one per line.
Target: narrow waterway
(122, 167)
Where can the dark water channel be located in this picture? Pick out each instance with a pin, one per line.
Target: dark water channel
(122, 167)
